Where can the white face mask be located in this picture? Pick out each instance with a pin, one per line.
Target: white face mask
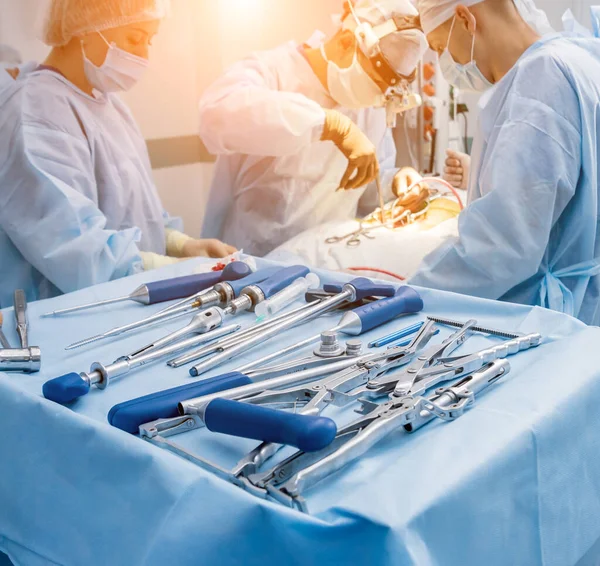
(352, 87)
(120, 71)
(464, 77)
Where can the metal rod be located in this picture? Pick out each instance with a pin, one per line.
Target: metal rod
(239, 337)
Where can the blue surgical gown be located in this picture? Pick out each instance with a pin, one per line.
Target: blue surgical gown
(530, 233)
(77, 199)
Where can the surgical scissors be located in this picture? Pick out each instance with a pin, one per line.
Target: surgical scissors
(354, 237)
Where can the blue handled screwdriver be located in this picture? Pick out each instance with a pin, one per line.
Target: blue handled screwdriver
(169, 289)
(213, 318)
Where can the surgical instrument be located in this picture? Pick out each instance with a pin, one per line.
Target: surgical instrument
(360, 320)
(250, 295)
(69, 387)
(169, 289)
(289, 480)
(27, 360)
(129, 416)
(385, 340)
(3, 340)
(477, 328)
(21, 317)
(354, 236)
(357, 289)
(222, 293)
(286, 296)
(253, 330)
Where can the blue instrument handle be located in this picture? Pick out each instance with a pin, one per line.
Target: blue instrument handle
(256, 277)
(130, 415)
(282, 279)
(66, 388)
(405, 301)
(308, 433)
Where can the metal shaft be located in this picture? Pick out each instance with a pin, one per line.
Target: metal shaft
(21, 317)
(482, 329)
(300, 318)
(87, 306)
(101, 375)
(239, 337)
(120, 330)
(281, 353)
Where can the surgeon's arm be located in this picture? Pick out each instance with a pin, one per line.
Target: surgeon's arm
(244, 112)
(503, 236)
(47, 209)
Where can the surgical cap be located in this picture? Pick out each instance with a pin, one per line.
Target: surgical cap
(66, 19)
(402, 49)
(435, 12)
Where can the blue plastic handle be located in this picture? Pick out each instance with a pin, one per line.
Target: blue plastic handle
(181, 287)
(130, 415)
(256, 277)
(406, 301)
(282, 279)
(66, 388)
(245, 420)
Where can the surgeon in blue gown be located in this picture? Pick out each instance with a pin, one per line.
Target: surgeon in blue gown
(78, 205)
(530, 233)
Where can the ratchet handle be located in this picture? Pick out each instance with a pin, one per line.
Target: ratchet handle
(405, 301)
(256, 277)
(66, 388)
(308, 433)
(130, 415)
(282, 279)
(364, 288)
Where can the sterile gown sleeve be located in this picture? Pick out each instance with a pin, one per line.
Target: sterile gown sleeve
(529, 175)
(48, 209)
(244, 112)
(386, 155)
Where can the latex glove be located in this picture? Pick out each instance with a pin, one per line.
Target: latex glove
(355, 145)
(456, 171)
(183, 246)
(150, 260)
(406, 177)
(207, 248)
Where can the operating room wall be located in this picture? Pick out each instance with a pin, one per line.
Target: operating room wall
(199, 39)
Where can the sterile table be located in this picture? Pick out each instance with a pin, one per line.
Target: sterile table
(514, 482)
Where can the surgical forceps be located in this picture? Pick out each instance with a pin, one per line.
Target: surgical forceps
(354, 237)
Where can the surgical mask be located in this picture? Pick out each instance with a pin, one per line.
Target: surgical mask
(352, 87)
(464, 77)
(120, 71)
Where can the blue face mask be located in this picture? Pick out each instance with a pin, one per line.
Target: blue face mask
(463, 77)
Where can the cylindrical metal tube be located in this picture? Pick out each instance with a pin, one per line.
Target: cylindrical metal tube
(300, 318)
(239, 337)
(27, 360)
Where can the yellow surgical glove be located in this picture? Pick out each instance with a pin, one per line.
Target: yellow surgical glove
(355, 145)
(150, 260)
(456, 171)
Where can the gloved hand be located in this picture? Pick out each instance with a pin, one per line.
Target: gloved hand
(183, 246)
(207, 248)
(356, 146)
(456, 171)
(406, 177)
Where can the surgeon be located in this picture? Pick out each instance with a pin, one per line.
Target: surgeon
(530, 233)
(293, 125)
(78, 205)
